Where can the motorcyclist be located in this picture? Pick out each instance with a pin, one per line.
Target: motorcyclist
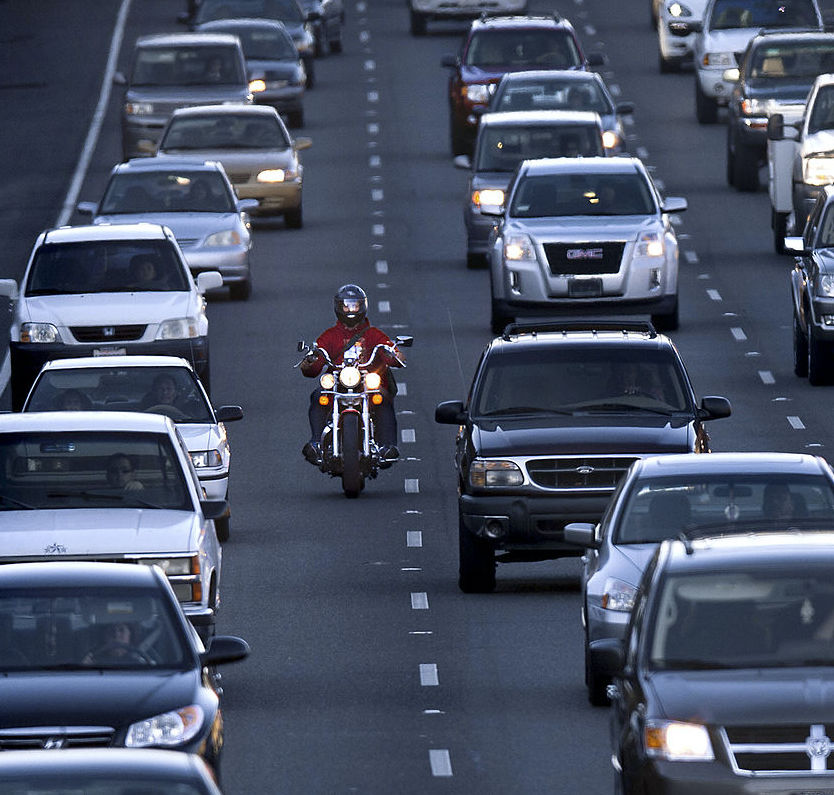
(353, 332)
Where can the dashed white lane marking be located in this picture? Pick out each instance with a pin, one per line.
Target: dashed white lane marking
(364, 36)
(691, 257)
(419, 600)
(414, 538)
(796, 423)
(628, 121)
(384, 306)
(378, 230)
(373, 96)
(421, 632)
(676, 220)
(370, 65)
(373, 128)
(642, 152)
(361, 8)
(402, 387)
(377, 194)
(408, 435)
(767, 377)
(714, 294)
(374, 161)
(614, 88)
(441, 763)
(428, 675)
(738, 334)
(381, 266)
(590, 30)
(412, 486)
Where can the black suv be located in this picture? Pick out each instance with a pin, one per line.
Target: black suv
(724, 681)
(556, 414)
(776, 73)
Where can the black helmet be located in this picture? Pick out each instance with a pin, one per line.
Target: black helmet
(350, 304)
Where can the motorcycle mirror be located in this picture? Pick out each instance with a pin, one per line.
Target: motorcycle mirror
(302, 346)
(404, 342)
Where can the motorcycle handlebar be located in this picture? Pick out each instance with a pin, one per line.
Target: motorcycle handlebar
(315, 349)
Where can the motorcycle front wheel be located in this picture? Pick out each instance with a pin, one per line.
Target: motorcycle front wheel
(352, 480)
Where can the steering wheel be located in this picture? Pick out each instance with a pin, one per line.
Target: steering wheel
(129, 653)
(168, 410)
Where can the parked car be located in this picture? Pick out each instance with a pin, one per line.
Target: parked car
(555, 416)
(564, 89)
(277, 76)
(108, 486)
(78, 298)
(584, 236)
(663, 496)
(724, 681)
(170, 71)
(254, 148)
(504, 141)
(99, 655)
(195, 200)
(495, 46)
(157, 384)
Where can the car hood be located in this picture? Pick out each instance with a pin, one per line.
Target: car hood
(785, 90)
(731, 40)
(98, 532)
(185, 226)
(183, 96)
(90, 698)
(233, 162)
(627, 433)
(199, 435)
(108, 309)
(747, 696)
(598, 228)
(277, 70)
(491, 179)
(822, 141)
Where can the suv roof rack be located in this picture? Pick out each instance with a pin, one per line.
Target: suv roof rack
(625, 326)
(485, 15)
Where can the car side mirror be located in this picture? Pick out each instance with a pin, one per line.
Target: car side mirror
(674, 204)
(596, 59)
(404, 341)
(776, 127)
(302, 143)
(228, 413)
(450, 412)
(214, 509)
(714, 407)
(245, 205)
(450, 61)
(119, 79)
(224, 649)
(8, 287)
(210, 280)
(732, 75)
(86, 208)
(313, 16)
(796, 245)
(583, 534)
(624, 108)
(463, 161)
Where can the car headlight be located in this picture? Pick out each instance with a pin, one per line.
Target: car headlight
(206, 458)
(650, 244)
(518, 247)
(618, 595)
(38, 332)
(350, 376)
(825, 286)
(138, 108)
(610, 139)
(677, 741)
(175, 566)
(486, 474)
(168, 729)
(489, 196)
(719, 60)
(257, 85)
(276, 175)
(327, 381)
(478, 92)
(818, 170)
(372, 380)
(228, 237)
(678, 10)
(178, 328)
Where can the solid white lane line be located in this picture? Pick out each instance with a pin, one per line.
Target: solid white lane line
(796, 423)
(412, 486)
(384, 306)
(381, 266)
(738, 334)
(419, 600)
(691, 257)
(414, 538)
(714, 295)
(408, 435)
(428, 675)
(441, 764)
(767, 377)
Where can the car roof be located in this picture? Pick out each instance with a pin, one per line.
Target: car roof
(824, 80)
(126, 361)
(551, 74)
(75, 573)
(87, 421)
(524, 118)
(196, 38)
(769, 36)
(212, 25)
(580, 333)
(520, 21)
(166, 164)
(729, 463)
(100, 232)
(594, 165)
(236, 109)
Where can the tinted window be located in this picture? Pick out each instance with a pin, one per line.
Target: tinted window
(285, 10)
(503, 148)
(793, 60)
(187, 66)
(263, 44)
(549, 49)
(822, 115)
(552, 94)
(223, 131)
(169, 191)
(41, 783)
(728, 14)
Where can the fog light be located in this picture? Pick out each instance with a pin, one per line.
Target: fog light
(324, 400)
(493, 528)
(654, 278)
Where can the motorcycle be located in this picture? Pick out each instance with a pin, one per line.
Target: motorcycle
(348, 447)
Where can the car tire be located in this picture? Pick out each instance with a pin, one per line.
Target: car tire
(477, 563)
(240, 291)
(296, 118)
(596, 684)
(668, 321)
(458, 143)
(475, 260)
(779, 223)
(746, 169)
(817, 361)
(294, 219)
(800, 349)
(222, 528)
(706, 108)
(498, 321)
(417, 23)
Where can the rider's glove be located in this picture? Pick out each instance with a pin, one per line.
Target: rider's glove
(311, 357)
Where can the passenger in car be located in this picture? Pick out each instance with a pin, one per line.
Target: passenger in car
(121, 473)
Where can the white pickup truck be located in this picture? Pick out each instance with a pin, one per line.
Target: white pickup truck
(800, 161)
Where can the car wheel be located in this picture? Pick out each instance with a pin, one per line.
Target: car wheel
(779, 222)
(477, 563)
(296, 118)
(240, 291)
(474, 260)
(668, 321)
(498, 321)
(294, 218)
(706, 108)
(817, 374)
(800, 349)
(746, 168)
(221, 527)
(595, 682)
(418, 24)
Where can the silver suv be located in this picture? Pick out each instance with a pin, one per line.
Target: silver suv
(584, 236)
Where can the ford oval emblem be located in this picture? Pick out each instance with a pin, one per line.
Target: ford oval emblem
(584, 469)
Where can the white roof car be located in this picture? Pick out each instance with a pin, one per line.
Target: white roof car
(158, 384)
(109, 486)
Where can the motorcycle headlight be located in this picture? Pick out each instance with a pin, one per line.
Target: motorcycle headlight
(138, 108)
(618, 595)
(479, 92)
(678, 10)
(490, 196)
(719, 60)
(610, 139)
(257, 85)
(825, 286)
(818, 170)
(484, 473)
(676, 741)
(168, 729)
(350, 377)
(38, 332)
(228, 237)
(178, 328)
(206, 458)
(327, 381)
(650, 244)
(373, 380)
(518, 247)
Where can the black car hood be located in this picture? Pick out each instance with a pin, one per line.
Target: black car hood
(90, 698)
(824, 258)
(748, 696)
(603, 433)
(786, 90)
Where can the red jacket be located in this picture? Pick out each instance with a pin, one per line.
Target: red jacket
(334, 340)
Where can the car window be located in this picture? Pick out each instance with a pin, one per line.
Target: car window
(793, 60)
(90, 469)
(285, 10)
(224, 131)
(580, 379)
(167, 191)
(104, 267)
(822, 113)
(587, 193)
(661, 508)
(173, 391)
(262, 44)
(552, 49)
(552, 94)
(727, 14)
(502, 148)
(187, 66)
(122, 628)
(825, 238)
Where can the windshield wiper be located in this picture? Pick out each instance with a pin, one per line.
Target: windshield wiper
(85, 495)
(696, 665)
(627, 407)
(524, 410)
(12, 503)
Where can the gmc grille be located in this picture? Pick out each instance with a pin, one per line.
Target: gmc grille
(580, 473)
(583, 259)
(112, 333)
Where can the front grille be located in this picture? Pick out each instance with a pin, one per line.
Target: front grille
(237, 177)
(781, 749)
(31, 739)
(583, 259)
(580, 473)
(108, 333)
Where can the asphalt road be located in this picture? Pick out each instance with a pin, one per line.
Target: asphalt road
(370, 672)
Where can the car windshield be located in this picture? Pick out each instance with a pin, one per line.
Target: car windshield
(581, 379)
(661, 508)
(284, 10)
(81, 629)
(167, 191)
(224, 131)
(762, 618)
(40, 782)
(262, 43)
(728, 14)
(110, 266)
(172, 391)
(91, 469)
(822, 114)
(582, 193)
(551, 94)
(515, 47)
(182, 65)
(502, 148)
(804, 59)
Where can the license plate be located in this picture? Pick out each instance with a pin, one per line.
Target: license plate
(109, 351)
(584, 288)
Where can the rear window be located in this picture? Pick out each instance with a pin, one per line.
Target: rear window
(284, 10)
(728, 14)
(168, 191)
(224, 131)
(793, 60)
(503, 148)
(187, 66)
(552, 94)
